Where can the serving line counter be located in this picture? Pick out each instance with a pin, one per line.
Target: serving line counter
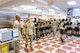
(7, 40)
(5, 46)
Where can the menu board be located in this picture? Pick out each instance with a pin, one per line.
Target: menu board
(69, 11)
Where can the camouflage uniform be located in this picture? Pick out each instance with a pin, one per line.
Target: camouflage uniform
(28, 29)
(54, 27)
(17, 43)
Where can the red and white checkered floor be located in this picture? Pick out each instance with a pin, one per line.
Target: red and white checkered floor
(51, 45)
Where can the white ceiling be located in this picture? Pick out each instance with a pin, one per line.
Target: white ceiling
(41, 4)
(14, 3)
(63, 4)
(60, 3)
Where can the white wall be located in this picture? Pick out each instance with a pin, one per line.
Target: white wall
(76, 12)
(74, 19)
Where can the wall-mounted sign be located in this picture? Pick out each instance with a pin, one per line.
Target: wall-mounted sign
(69, 11)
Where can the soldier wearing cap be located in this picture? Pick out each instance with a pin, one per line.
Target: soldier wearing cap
(28, 31)
(17, 26)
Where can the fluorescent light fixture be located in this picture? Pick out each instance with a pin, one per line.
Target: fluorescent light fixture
(25, 7)
(32, 0)
(14, 8)
(50, 10)
(44, 12)
(77, 9)
(55, 7)
(36, 10)
(42, 1)
(71, 3)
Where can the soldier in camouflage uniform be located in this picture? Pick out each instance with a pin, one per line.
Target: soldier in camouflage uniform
(54, 27)
(62, 28)
(17, 26)
(28, 31)
(36, 29)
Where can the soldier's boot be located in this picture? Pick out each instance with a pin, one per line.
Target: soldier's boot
(26, 49)
(62, 40)
(31, 48)
(17, 51)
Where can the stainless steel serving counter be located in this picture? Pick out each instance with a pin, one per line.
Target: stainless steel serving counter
(4, 47)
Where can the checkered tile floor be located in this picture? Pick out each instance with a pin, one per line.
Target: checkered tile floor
(50, 45)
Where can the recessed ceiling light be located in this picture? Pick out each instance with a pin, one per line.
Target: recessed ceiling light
(32, 0)
(71, 3)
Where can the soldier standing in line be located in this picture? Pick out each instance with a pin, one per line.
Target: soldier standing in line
(62, 30)
(44, 23)
(50, 26)
(17, 26)
(36, 28)
(46, 28)
(28, 31)
(42, 28)
(39, 29)
(78, 28)
(54, 27)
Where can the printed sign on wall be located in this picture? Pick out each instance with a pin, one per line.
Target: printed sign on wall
(69, 11)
